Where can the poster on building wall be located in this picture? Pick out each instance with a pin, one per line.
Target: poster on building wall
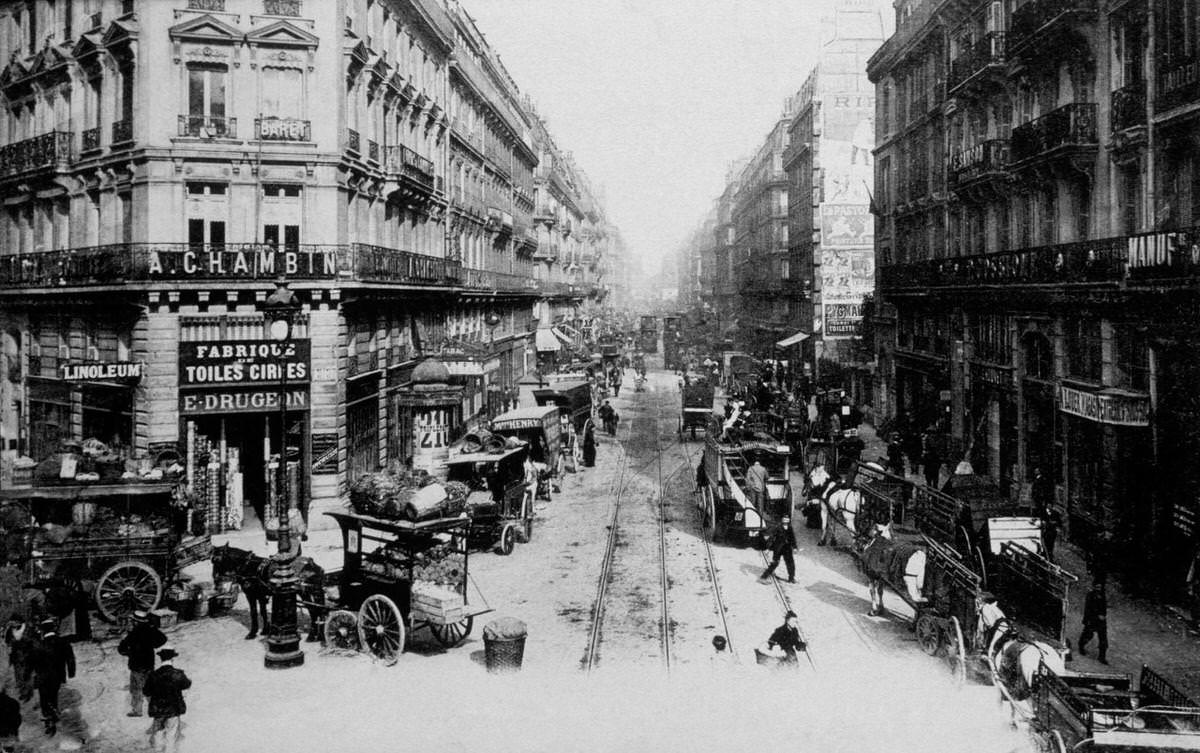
(847, 226)
(847, 276)
(847, 138)
(841, 320)
(431, 438)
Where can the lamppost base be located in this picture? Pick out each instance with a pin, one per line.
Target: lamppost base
(284, 654)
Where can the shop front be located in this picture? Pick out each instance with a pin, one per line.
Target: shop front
(992, 423)
(231, 425)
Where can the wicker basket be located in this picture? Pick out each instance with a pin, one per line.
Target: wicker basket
(503, 656)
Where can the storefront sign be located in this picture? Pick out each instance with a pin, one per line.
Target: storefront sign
(1116, 409)
(841, 319)
(203, 364)
(325, 453)
(254, 263)
(282, 129)
(992, 376)
(94, 371)
(239, 401)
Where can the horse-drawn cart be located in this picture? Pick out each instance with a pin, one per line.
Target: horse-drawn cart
(1104, 712)
(397, 577)
(129, 539)
(697, 406)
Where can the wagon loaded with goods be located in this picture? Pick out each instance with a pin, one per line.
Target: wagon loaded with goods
(399, 576)
(127, 540)
(1106, 712)
(497, 498)
(697, 406)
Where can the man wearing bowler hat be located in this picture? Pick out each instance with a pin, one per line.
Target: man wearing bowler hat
(139, 646)
(164, 687)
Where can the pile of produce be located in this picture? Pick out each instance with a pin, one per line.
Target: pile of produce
(406, 496)
(440, 565)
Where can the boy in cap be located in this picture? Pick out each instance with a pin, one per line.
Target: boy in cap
(139, 645)
(164, 687)
(783, 543)
(53, 663)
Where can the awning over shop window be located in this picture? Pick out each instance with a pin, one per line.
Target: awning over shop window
(558, 332)
(544, 339)
(570, 331)
(794, 339)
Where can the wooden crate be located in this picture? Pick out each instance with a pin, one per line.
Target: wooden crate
(437, 604)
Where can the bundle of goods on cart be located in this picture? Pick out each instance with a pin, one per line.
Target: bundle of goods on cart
(406, 496)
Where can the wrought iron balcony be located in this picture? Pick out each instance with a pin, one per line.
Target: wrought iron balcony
(352, 140)
(411, 165)
(501, 282)
(282, 129)
(147, 263)
(90, 139)
(1144, 257)
(48, 150)
(987, 51)
(1128, 107)
(122, 131)
(206, 127)
(372, 150)
(207, 5)
(282, 8)
(984, 159)
(1178, 84)
(1069, 125)
(1036, 17)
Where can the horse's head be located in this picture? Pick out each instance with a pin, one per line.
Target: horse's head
(818, 476)
(990, 614)
(226, 561)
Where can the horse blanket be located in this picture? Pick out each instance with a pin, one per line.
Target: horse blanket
(887, 559)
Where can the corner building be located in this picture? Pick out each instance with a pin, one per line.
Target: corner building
(162, 162)
(1036, 245)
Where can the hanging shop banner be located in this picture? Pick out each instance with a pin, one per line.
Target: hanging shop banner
(101, 371)
(252, 400)
(232, 362)
(1106, 408)
(324, 452)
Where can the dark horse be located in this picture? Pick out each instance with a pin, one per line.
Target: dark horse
(252, 573)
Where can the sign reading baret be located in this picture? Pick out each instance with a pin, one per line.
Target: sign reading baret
(230, 362)
(1105, 408)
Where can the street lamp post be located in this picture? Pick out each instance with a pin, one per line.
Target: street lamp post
(283, 638)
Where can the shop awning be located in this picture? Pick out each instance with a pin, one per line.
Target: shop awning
(569, 330)
(544, 339)
(793, 340)
(558, 332)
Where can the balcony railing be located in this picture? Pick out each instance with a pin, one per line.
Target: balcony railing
(207, 5)
(986, 157)
(1128, 107)
(352, 140)
(281, 8)
(988, 50)
(408, 163)
(47, 150)
(372, 150)
(282, 129)
(1069, 125)
(1037, 15)
(122, 131)
(1149, 257)
(123, 263)
(90, 139)
(1178, 84)
(206, 127)
(486, 279)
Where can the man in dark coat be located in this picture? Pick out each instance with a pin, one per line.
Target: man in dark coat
(139, 646)
(589, 446)
(10, 722)
(783, 543)
(1095, 620)
(53, 664)
(787, 637)
(164, 688)
(18, 636)
(895, 456)
(931, 462)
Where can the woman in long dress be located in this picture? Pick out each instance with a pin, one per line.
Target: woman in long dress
(589, 445)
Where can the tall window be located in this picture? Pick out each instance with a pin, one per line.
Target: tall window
(1132, 356)
(1084, 348)
(206, 99)
(282, 93)
(127, 90)
(281, 215)
(207, 213)
(1039, 357)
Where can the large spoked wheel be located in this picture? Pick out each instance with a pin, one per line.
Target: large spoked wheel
(979, 563)
(381, 630)
(710, 515)
(957, 654)
(127, 587)
(929, 637)
(452, 635)
(1056, 744)
(508, 539)
(341, 631)
(527, 526)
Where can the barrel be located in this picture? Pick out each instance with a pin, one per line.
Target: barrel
(426, 502)
(476, 441)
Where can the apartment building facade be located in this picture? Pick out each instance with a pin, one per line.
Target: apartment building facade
(1035, 190)
(162, 163)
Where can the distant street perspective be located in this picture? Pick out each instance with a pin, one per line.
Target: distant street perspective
(554, 377)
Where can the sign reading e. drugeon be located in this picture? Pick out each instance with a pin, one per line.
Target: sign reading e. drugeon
(234, 362)
(252, 400)
(1116, 409)
(100, 371)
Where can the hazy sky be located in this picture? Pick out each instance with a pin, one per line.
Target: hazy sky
(657, 97)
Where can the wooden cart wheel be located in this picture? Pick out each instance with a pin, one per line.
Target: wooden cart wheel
(528, 537)
(1057, 744)
(127, 587)
(381, 630)
(929, 638)
(508, 539)
(982, 567)
(957, 654)
(341, 631)
(452, 635)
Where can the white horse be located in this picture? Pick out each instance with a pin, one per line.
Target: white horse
(882, 556)
(1014, 659)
